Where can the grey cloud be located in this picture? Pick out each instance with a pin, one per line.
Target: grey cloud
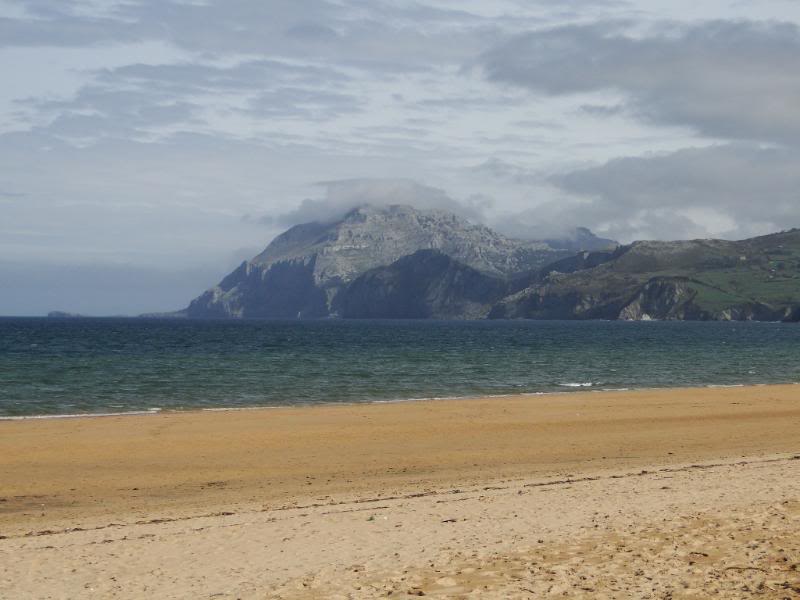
(80, 32)
(732, 191)
(97, 98)
(457, 103)
(70, 23)
(558, 219)
(312, 31)
(394, 131)
(292, 102)
(505, 170)
(197, 77)
(736, 80)
(65, 8)
(380, 36)
(603, 110)
(539, 124)
(97, 111)
(138, 98)
(75, 126)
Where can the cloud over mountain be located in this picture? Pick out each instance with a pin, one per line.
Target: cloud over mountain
(344, 195)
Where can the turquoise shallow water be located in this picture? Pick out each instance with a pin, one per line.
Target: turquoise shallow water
(51, 367)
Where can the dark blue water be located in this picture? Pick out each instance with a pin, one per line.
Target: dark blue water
(114, 365)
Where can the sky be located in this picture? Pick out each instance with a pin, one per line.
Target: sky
(149, 146)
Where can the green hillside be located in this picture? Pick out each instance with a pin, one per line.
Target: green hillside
(758, 278)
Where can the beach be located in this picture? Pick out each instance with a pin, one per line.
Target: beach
(666, 493)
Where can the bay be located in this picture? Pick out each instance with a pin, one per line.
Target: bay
(77, 366)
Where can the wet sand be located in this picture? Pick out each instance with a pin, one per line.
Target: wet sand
(613, 492)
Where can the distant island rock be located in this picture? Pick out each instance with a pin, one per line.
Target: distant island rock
(401, 262)
(60, 314)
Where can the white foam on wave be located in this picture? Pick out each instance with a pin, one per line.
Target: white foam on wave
(721, 385)
(238, 408)
(571, 384)
(149, 411)
(469, 397)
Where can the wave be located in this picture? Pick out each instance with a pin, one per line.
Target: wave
(572, 385)
(126, 413)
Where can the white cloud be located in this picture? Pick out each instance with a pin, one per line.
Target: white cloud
(344, 195)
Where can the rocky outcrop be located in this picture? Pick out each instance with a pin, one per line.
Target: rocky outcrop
(792, 314)
(758, 311)
(662, 298)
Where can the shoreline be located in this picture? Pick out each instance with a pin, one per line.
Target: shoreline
(578, 388)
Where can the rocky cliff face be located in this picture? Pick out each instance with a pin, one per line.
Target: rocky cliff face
(678, 298)
(427, 284)
(302, 273)
(284, 290)
(662, 298)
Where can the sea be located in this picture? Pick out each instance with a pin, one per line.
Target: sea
(64, 367)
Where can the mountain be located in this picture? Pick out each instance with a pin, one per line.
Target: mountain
(307, 271)
(754, 279)
(399, 262)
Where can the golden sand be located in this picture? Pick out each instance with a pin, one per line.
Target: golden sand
(658, 493)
